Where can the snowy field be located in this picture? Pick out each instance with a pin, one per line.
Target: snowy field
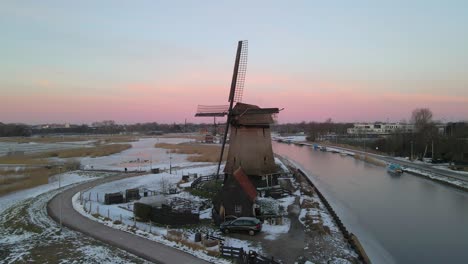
(27, 234)
(32, 147)
(141, 156)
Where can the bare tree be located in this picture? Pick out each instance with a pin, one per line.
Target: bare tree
(421, 118)
(164, 185)
(425, 129)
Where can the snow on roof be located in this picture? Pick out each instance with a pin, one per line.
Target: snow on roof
(157, 200)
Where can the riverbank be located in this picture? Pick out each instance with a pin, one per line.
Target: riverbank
(459, 181)
(381, 160)
(348, 237)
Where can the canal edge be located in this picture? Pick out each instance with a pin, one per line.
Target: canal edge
(350, 237)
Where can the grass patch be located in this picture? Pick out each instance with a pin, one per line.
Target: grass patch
(199, 152)
(47, 139)
(40, 158)
(98, 151)
(58, 139)
(12, 180)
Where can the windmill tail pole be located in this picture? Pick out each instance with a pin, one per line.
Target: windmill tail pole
(224, 144)
(232, 97)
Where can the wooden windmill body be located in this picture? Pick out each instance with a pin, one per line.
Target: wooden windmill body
(250, 157)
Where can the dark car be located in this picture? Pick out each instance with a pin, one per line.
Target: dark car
(250, 225)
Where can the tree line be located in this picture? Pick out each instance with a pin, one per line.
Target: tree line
(426, 140)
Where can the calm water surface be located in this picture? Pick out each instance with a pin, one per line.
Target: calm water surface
(398, 219)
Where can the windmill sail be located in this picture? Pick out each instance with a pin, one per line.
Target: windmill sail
(212, 110)
(240, 69)
(235, 95)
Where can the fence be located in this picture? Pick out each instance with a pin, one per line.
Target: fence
(201, 179)
(243, 257)
(277, 192)
(210, 236)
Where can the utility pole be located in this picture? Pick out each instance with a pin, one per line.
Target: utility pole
(411, 150)
(364, 146)
(60, 185)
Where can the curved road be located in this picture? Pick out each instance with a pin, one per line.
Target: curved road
(144, 248)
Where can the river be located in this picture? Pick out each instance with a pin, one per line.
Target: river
(398, 219)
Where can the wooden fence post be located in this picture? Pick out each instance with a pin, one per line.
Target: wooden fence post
(89, 196)
(108, 213)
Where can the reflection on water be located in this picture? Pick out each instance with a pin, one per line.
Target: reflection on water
(405, 219)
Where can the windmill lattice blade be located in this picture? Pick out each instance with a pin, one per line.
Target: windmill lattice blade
(241, 72)
(212, 110)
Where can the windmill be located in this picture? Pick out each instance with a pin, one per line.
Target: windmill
(242, 116)
(250, 162)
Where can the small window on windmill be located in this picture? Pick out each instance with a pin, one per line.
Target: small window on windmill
(238, 209)
(264, 160)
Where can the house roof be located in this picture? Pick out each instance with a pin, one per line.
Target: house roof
(245, 183)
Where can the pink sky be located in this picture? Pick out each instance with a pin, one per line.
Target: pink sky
(80, 62)
(165, 103)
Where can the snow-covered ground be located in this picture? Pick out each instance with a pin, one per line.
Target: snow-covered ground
(282, 166)
(292, 139)
(124, 211)
(452, 181)
(66, 179)
(319, 214)
(32, 147)
(27, 234)
(445, 168)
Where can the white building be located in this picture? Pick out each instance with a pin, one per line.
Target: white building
(380, 128)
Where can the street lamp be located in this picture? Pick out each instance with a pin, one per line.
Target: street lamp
(170, 163)
(60, 200)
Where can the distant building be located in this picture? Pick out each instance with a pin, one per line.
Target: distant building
(380, 128)
(209, 138)
(457, 129)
